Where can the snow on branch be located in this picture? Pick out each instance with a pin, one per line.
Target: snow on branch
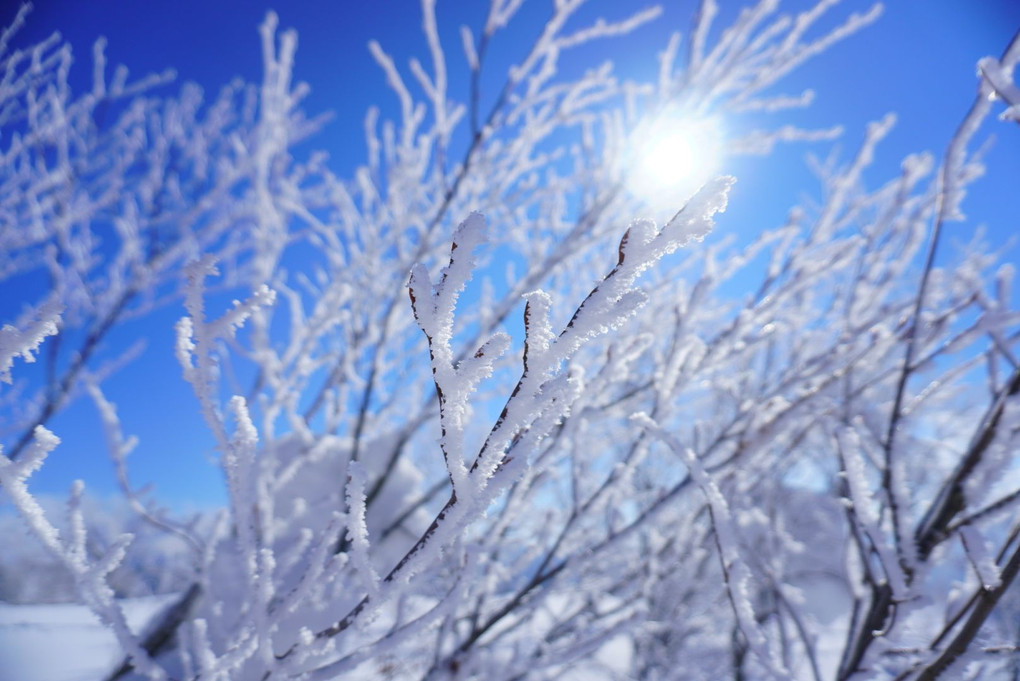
(997, 76)
(23, 339)
(90, 575)
(736, 573)
(197, 338)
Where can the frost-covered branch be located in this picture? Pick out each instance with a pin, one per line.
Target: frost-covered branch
(456, 489)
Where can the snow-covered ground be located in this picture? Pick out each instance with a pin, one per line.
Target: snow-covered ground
(66, 642)
(63, 642)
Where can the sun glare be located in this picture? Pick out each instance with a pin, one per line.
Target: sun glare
(674, 157)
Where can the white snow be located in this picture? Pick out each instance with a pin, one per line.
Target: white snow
(64, 642)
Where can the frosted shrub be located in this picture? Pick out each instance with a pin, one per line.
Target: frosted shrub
(419, 490)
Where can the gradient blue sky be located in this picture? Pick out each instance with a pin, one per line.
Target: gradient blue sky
(919, 61)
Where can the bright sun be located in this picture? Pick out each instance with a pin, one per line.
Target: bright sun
(674, 157)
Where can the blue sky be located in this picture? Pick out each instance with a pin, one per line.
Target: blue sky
(918, 60)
